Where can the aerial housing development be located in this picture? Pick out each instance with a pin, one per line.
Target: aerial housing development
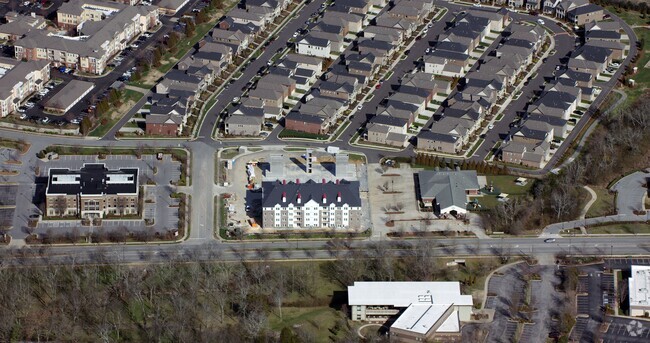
(325, 170)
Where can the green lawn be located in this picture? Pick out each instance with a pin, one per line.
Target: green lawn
(635, 228)
(297, 134)
(642, 77)
(315, 320)
(128, 96)
(604, 204)
(629, 16)
(502, 184)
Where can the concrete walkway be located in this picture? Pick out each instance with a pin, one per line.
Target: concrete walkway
(553, 230)
(589, 203)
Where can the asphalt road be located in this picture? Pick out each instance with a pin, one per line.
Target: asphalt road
(314, 250)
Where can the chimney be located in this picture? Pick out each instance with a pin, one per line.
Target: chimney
(323, 181)
(298, 198)
(324, 198)
(297, 181)
(338, 197)
(337, 181)
(284, 182)
(284, 197)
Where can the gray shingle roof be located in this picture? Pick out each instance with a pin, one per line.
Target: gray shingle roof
(272, 193)
(448, 187)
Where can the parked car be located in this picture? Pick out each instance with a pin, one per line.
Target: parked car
(45, 120)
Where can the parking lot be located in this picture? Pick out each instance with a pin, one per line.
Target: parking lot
(596, 290)
(627, 330)
(156, 177)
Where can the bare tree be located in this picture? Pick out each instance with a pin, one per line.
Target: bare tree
(561, 202)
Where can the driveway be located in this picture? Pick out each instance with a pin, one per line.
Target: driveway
(631, 193)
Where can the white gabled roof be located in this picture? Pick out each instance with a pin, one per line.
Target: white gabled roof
(405, 293)
(422, 318)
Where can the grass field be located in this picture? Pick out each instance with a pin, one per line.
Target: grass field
(604, 204)
(503, 184)
(129, 99)
(631, 17)
(642, 77)
(636, 228)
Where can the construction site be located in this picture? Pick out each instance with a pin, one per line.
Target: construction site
(247, 175)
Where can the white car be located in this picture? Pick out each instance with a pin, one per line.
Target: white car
(491, 126)
(430, 25)
(540, 21)
(477, 5)
(426, 29)
(359, 107)
(295, 34)
(428, 50)
(23, 116)
(45, 120)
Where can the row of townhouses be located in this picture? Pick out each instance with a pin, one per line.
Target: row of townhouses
(177, 93)
(327, 101)
(344, 81)
(578, 12)
(103, 29)
(550, 115)
(452, 57)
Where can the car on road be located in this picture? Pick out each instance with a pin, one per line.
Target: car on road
(378, 86)
(359, 107)
(430, 25)
(295, 34)
(540, 21)
(235, 99)
(418, 37)
(75, 121)
(426, 29)
(45, 120)
(23, 116)
(477, 5)
(427, 51)
(491, 126)
(549, 240)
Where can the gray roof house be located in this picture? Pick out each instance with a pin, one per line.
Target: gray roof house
(447, 191)
(243, 125)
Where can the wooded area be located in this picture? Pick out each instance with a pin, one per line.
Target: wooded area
(617, 146)
(187, 301)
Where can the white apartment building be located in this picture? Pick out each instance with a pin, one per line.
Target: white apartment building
(295, 205)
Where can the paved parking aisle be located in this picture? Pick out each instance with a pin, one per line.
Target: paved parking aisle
(627, 330)
(8, 195)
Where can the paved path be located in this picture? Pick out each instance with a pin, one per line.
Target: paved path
(589, 203)
(554, 230)
(631, 192)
